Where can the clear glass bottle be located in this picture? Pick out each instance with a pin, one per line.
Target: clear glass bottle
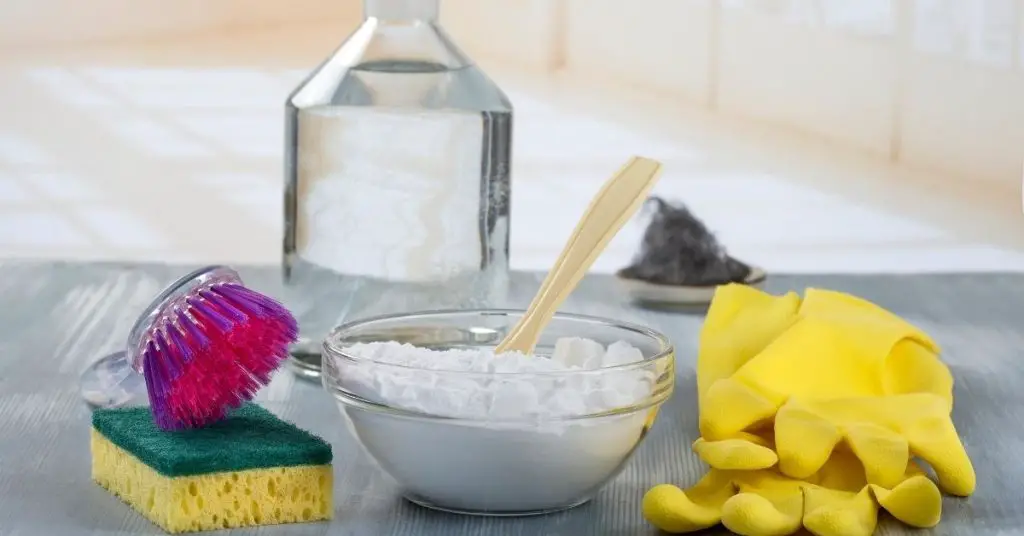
(397, 179)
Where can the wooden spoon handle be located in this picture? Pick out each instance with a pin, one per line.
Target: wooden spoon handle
(616, 202)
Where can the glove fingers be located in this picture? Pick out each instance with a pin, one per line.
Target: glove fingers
(764, 514)
(737, 454)
(804, 441)
(883, 452)
(915, 501)
(676, 511)
(837, 513)
(935, 441)
(729, 407)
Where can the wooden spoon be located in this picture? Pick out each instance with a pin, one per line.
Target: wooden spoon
(617, 202)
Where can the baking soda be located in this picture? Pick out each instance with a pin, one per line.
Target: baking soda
(506, 387)
(511, 444)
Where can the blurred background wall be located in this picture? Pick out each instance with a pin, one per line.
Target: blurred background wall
(906, 109)
(930, 83)
(937, 84)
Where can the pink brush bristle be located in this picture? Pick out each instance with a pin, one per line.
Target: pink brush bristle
(212, 352)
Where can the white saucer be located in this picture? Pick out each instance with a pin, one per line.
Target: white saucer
(643, 291)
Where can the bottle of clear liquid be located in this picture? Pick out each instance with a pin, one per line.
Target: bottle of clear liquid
(397, 179)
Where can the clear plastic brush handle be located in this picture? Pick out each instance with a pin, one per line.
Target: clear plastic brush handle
(116, 380)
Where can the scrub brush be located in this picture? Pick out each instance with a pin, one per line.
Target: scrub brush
(204, 347)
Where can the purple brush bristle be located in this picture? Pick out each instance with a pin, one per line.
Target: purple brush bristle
(211, 350)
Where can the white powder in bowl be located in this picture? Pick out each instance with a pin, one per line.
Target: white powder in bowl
(517, 448)
(428, 381)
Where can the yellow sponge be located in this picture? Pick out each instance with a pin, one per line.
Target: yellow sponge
(252, 469)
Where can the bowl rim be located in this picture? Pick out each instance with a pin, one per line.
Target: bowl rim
(331, 350)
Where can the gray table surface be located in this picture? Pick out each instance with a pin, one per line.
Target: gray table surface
(55, 318)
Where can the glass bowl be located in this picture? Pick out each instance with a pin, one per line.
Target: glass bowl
(476, 447)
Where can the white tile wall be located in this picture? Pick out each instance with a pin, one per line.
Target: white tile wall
(525, 33)
(34, 22)
(920, 81)
(825, 83)
(648, 44)
(965, 118)
(931, 84)
(127, 159)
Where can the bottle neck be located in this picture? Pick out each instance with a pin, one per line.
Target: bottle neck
(407, 10)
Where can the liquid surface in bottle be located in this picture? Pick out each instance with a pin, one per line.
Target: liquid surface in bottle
(397, 196)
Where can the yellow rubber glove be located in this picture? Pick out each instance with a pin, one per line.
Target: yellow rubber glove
(835, 502)
(837, 346)
(741, 321)
(835, 498)
(745, 452)
(753, 503)
(884, 432)
(761, 338)
(809, 389)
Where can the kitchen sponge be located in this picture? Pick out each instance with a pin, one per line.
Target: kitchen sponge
(250, 469)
